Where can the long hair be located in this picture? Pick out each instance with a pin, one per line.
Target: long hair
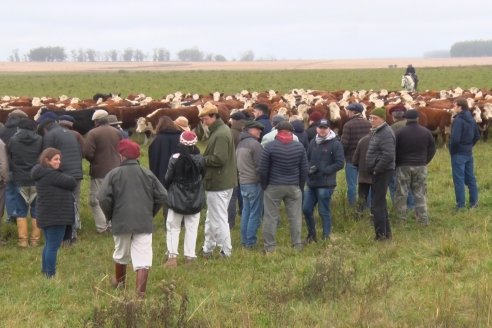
(47, 155)
(165, 123)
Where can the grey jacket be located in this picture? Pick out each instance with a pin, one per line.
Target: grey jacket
(130, 196)
(248, 155)
(380, 155)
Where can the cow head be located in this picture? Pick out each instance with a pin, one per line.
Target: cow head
(477, 114)
(334, 112)
(487, 111)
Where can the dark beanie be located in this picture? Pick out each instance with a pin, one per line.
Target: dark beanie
(27, 124)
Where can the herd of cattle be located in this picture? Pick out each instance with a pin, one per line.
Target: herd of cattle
(141, 113)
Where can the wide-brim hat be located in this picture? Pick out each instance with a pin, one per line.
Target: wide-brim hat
(182, 123)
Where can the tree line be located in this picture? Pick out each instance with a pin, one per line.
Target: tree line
(477, 48)
(59, 54)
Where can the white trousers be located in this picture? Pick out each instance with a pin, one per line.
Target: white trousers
(173, 227)
(101, 223)
(217, 231)
(137, 247)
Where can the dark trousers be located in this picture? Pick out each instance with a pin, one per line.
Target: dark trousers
(363, 192)
(379, 206)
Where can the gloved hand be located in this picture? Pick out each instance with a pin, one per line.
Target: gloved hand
(312, 170)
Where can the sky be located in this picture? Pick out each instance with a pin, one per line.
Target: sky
(277, 29)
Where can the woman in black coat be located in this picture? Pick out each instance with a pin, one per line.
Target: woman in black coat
(55, 205)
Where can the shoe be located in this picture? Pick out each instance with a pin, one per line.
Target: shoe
(189, 260)
(118, 281)
(474, 205)
(171, 262)
(310, 239)
(224, 255)
(207, 255)
(269, 253)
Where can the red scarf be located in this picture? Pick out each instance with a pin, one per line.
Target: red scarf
(284, 136)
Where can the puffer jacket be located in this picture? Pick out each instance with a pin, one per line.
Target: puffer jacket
(55, 198)
(380, 155)
(464, 134)
(24, 149)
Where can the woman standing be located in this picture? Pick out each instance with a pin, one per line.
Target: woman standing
(54, 205)
(186, 197)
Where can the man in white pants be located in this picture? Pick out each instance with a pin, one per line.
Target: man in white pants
(220, 179)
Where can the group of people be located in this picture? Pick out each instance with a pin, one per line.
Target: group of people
(257, 164)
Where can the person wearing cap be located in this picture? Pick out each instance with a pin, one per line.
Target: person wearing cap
(415, 148)
(163, 146)
(182, 123)
(113, 121)
(313, 122)
(101, 150)
(23, 150)
(325, 159)
(380, 161)
(220, 179)
(410, 70)
(399, 122)
(186, 197)
(56, 136)
(130, 196)
(248, 156)
(270, 136)
(261, 113)
(67, 121)
(353, 130)
(11, 191)
(283, 172)
(464, 136)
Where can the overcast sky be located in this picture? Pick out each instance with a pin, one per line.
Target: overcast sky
(278, 29)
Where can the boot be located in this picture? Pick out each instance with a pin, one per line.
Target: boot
(120, 276)
(22, 232)
(35, 233)
(141, 285)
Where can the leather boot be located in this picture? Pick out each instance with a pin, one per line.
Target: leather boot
(120, 276)
(35, 233)
(22, 232)
(141, 284)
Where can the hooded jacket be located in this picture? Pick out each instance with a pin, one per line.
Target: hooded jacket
(248, 155)
(55, 199)
(24, 149)
(464, 134)
(380, 155)
(327, 158)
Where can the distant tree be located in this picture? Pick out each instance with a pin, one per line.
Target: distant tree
(138, 55)
(113, 55)
(73, 54)
(219, 58)
(14, 57)
(161, 54)
(81, 55)
(192, 54)
(128, 54)
(477, 48)
(247, 56)
(49, 54)
(208, 57)
(90, 55)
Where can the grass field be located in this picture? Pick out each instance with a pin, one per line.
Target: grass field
(435, 276)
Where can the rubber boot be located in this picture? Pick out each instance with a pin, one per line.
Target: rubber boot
(120, 276)
(141, 284)
(35, 233)
(23, 240)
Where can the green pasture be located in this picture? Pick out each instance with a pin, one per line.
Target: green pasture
(158, 84)
(434, 276)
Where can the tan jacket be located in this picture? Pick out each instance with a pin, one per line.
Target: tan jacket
(101, 150)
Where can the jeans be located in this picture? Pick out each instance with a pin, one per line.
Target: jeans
(322, 197)
(252, 195)
(53, 237)
(351, 174)
(462, 168)
(11, 196)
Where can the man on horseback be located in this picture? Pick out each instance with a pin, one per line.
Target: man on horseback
(411, 72)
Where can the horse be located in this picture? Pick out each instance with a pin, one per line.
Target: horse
(408, 83)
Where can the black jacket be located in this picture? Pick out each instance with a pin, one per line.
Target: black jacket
(380, 155)
(65, 141)
(324, 160)
(9, 129)
(55, 199)
(415, 145)
(23, 150)
(161, 150)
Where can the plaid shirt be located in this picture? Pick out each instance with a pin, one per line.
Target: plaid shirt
(353, 131)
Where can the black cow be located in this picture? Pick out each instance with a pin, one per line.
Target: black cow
(104, 96)
(83, 118)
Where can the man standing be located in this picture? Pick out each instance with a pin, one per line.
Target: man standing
(261, 115)
(101, 150)
(355, 128)
(325, 158)
(415, 148)
(220, 179)
(464, 135)
(283, 171)
(380, 161)
(248, 155)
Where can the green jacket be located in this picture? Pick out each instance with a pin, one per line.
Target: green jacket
(220, 158)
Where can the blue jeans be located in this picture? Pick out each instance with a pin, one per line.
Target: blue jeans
(11, 197)
(252, 213)
(53, 237)
(351, 174)
(462, 168)
(322, 197)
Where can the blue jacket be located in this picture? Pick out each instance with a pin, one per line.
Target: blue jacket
(265, 120)
(464, 134)
(327, 158)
